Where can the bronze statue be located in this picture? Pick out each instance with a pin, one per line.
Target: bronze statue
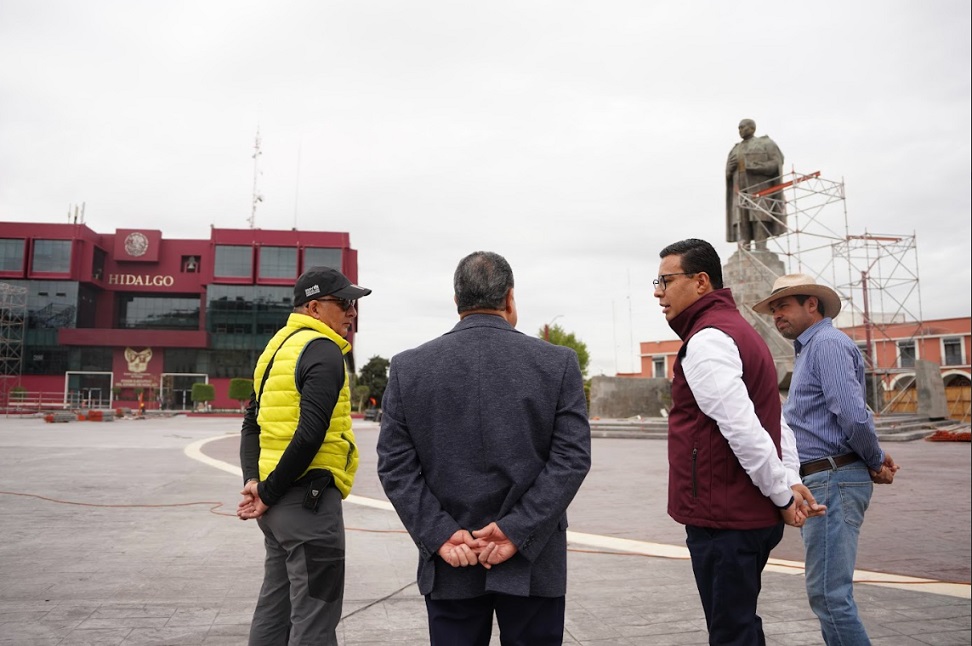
(754, 164)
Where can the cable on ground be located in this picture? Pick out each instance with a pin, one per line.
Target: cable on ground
(214, 506)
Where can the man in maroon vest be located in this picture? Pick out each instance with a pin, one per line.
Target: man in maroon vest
(733, 468)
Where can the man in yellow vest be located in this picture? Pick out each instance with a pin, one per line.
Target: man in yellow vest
(299, 458)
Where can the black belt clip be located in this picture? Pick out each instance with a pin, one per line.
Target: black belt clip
(315, 489)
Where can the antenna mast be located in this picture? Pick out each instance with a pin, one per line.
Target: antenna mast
(257, 198)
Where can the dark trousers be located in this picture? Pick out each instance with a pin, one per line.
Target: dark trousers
(523, 621)
(728, 566)
(303, 582)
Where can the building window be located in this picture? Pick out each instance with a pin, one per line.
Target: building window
(868, 360)
(98, 264)
(94, 359)
(51, 257)
(87, 307)
(317, 257)
(278, 262)
(233, 262)
(51, 304)
(182, 360)
(952, 351)
(257, 309)
(11, 255)
(45, 361)
(158, 312)
(658, 366)
(906, 354)
(232, 363)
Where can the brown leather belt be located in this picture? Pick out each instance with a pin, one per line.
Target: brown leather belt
(823, 464)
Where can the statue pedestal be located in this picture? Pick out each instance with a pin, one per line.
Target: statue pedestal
(932, 402)
(750, 275)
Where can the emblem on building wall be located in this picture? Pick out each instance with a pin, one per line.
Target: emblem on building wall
(136, 244)
(138, 360)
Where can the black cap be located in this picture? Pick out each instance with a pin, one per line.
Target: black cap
(318, 282)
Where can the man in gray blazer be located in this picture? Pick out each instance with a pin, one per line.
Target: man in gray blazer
(484, 442)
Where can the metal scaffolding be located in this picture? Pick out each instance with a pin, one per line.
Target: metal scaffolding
(13, 322)
(876, 275)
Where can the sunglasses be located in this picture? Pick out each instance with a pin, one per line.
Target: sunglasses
(343, 303)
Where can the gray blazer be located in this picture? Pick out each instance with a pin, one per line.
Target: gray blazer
(486, 424)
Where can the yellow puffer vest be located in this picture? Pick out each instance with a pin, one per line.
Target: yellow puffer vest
(279, 405)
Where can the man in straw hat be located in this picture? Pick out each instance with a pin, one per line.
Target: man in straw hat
(840, 457)
(732, 477)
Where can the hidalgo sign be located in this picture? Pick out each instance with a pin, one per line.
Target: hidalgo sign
(141, 280)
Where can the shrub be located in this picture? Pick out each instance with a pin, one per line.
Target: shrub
(240, 390)
(203, 393)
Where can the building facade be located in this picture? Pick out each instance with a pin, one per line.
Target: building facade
(891, 350)
(132, 317)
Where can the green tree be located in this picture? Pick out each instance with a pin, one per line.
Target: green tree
(359, 395)
(558, 336)
(240, 390)
(374, 375)
(203, 393)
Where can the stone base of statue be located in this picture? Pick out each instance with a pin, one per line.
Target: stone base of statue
(932, 402)
(750, 275)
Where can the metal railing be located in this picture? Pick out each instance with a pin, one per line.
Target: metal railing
(27, 400)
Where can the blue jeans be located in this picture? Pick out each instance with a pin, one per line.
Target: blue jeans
(830, 550)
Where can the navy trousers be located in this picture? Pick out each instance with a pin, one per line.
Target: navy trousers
(523, 621)
(728, 566)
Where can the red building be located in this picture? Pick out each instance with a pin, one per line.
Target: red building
(109, 318)
(892, 352)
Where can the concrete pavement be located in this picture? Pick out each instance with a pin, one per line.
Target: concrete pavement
(124, 533)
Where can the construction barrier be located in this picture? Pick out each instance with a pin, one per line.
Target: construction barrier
(59, 416)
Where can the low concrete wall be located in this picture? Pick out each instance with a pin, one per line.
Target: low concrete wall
(620, 397)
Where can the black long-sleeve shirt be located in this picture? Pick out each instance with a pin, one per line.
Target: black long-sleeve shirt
(319, 376)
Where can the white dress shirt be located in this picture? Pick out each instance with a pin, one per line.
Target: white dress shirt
(713, 370)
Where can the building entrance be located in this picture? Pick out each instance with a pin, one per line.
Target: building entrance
(176, 391)
(87, 389)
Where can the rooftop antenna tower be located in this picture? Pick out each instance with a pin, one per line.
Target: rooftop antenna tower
(74, 219)
(257, 198)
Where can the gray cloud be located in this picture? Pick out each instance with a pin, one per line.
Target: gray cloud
(575, 138)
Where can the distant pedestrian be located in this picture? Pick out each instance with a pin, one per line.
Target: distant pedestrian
(484, 442)
(732, 464)
(840, 456)
(298, 455)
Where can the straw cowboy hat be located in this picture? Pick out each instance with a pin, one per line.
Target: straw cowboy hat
(801, 285)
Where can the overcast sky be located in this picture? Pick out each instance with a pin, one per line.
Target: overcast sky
(574, 138)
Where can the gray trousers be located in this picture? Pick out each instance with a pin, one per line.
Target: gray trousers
(303, 583)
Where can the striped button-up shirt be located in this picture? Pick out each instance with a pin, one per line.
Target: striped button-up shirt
(826, 407)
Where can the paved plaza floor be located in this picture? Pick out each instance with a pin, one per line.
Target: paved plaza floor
(125, 533)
